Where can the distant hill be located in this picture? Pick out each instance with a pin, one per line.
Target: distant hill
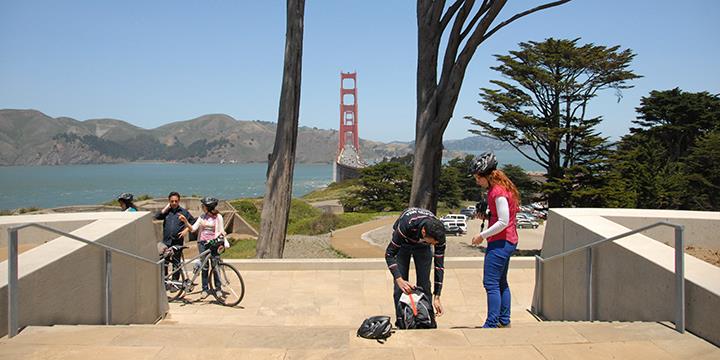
(475, 143)
(29, 137)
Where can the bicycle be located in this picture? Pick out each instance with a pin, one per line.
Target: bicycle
(232, 286)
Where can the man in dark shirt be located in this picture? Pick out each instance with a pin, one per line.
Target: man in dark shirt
(172, 226)
(413, 234)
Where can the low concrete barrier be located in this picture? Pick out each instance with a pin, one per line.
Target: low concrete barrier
(634, 276)
(63, 281)
(519, 262)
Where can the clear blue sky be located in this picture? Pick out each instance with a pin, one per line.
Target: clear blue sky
(153, 62)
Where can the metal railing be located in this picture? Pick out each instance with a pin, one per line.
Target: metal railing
(13, 271)
(679, 271)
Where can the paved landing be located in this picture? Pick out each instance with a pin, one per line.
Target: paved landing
(314, 315)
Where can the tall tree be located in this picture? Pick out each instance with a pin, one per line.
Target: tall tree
(669, 162)
(383, 186)
(449, 188)
(527, 187)
(281, 163)
(438, 87)
(543, 114)
(470, 190)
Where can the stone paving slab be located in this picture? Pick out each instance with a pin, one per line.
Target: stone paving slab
(80, 352)
(184, 342)
(346, 298)
(602, 351)
(313, 314)
(521, 352)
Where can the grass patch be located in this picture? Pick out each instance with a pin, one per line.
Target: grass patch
(333, 191)
(325, 222)
(241, 249)
(305, 219)
(339, 254)
(300, 213)
(249, 209)
(18, 211)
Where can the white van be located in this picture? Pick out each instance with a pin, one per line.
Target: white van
(458, 220)
(454, 217)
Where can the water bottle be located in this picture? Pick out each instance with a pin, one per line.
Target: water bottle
(196, 265)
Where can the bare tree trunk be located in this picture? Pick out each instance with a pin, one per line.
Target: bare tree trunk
(278, 189)
(436, 98)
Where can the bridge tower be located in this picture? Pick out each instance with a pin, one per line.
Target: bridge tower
(348, 111)
(348, 154)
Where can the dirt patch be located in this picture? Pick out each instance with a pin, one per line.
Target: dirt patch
(707, 255)
(310, 247)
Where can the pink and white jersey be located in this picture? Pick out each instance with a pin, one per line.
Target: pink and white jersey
(210, 226)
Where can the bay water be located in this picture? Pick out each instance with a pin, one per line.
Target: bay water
(52, 186)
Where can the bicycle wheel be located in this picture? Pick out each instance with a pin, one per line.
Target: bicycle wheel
(174, 288)
(232, 287)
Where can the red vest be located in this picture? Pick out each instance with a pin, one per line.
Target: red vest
(510, 232)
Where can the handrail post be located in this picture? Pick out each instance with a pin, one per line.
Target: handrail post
(590, 284)
(679, 279)
(108, 287)
(538, 285)
(12, 282)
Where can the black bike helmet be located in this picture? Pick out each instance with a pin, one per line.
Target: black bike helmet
(126, 197)
(209, 202)
(484, 164)
(375, 327)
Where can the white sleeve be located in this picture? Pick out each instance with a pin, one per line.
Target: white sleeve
(219, 226)
(501, 205)
(196, 225)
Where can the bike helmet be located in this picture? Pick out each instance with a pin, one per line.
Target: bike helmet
(375, 327)
(484, 164)
(209, 202)
(126, 197)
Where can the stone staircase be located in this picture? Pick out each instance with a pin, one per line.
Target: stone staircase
(315, 313)
(547, 340)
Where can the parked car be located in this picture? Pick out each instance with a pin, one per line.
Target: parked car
(470, 213)
(526, 224)
(454, 217)
(454, 230)
(525, 215)
(459, 223)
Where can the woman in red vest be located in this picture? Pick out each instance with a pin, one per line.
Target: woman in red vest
(501, 235)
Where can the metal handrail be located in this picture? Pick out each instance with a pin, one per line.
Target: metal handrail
(13, 271)
(679, 270)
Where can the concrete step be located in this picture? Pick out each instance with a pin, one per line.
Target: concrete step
(552, 340)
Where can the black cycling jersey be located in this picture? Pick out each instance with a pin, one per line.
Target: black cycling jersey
(407, 231)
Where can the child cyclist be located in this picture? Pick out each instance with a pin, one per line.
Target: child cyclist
(210, 225)
(503, 202)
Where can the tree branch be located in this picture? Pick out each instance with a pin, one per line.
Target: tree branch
(519, 15)
(483, 9)
(454, 41)
(449, 14)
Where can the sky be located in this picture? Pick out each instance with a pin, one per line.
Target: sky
(155, 62)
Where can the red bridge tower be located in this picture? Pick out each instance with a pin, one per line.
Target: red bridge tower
(348, 155)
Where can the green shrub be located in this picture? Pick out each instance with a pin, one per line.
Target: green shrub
(249, 211)
(333, 191)
(240, 249)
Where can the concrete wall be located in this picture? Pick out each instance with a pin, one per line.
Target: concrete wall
(634, 276)
(62, 281)
(234, 223)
